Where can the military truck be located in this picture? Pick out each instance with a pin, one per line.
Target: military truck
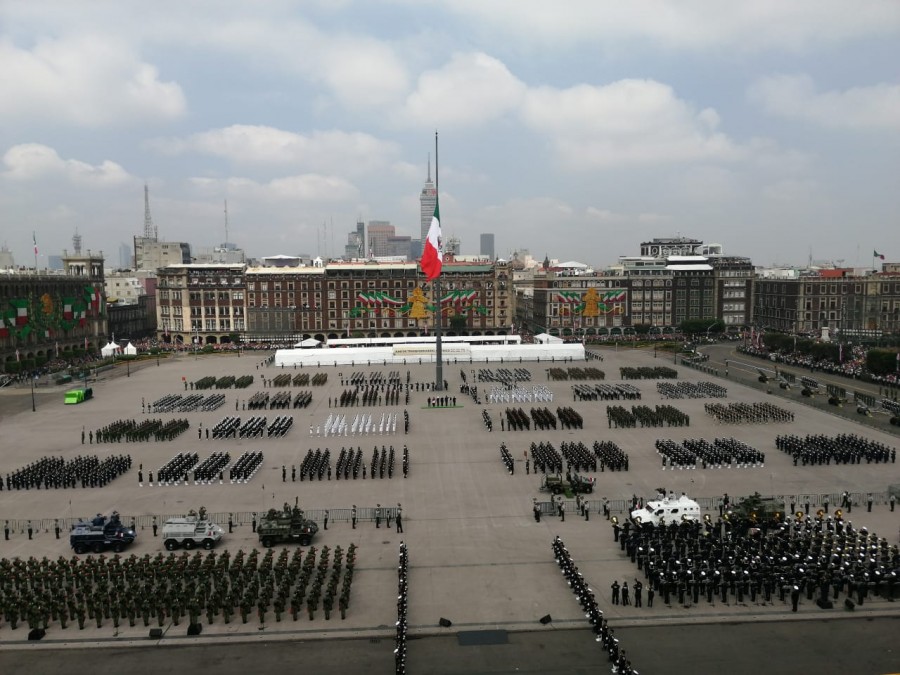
(101, 534)
(557, 483)
(192, 530)
(289, 524)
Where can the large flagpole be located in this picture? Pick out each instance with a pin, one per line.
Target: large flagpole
(436, 287)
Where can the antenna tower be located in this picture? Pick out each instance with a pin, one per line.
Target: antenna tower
(226, 221)
(76, 242)
(150, 231)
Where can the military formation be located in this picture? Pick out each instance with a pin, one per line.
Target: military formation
(576, 374)
(316, 465)
(818, 449)
(132, 431)
(57, 472)
(648, 373)
(568, 418)
(747, 560)
(691, 390)
(175, 588)
(179, 403)
(721, 453)
(605, 392)
(586, 598)
(618, 416)
(748, 413)
(402, 609)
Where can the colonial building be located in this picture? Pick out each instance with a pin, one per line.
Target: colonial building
(47, 315)
(201, 303)
(369, 299)
(571, 306)
(846, 305)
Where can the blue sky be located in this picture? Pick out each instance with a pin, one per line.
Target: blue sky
(573, 129)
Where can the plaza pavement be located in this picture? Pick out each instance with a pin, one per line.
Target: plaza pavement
(477, 557)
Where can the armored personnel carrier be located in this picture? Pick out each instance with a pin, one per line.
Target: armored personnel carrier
(667, 510)
(289, 524)
(101, 534)
(192, 530)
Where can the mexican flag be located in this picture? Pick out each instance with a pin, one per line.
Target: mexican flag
(21, 306)
(431, 253)
(68, 308)
(876, 254)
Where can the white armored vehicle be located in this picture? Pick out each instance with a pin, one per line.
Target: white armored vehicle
(190, 531)
(670, 509)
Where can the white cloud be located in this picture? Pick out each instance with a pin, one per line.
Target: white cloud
(347, 152)
(85, 81)
(472, 89)
(358, 70)
(687, 24)
(303, 187)
(795, 97)
(32, 161)
(626, 122)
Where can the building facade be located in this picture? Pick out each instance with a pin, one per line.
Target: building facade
(848, 306)
(369, 299)
(43, 316)
(150, 254)
(200, 303)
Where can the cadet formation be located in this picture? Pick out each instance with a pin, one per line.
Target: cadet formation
(762, 561)
(176, 587)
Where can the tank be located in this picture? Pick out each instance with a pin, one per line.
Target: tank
(286, 525)
(192, 530)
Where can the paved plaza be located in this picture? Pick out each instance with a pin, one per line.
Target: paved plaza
(477, 556)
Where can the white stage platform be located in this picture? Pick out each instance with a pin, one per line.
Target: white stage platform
(419, 352)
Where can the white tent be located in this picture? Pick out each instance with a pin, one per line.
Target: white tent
(545, 339)
(111, 349)
(308, 343)
(130, 349)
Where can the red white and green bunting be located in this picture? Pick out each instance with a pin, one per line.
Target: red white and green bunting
(570, 297)
(377, 299)
(459, 297)
(21, 310)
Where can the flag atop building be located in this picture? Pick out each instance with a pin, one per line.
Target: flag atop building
(876, 254)
(431, 248)
(34, 239)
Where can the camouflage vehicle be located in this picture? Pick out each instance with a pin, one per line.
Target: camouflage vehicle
(289, 524)
(557, 484)
(757, 508)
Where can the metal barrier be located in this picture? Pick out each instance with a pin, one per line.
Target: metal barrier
(238, 518)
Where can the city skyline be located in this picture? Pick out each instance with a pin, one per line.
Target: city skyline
(771, 129)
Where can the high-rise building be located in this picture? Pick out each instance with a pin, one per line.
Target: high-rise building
(427, 202)
(380, 231)
(124, 256)
(356, 242)
(487, 245)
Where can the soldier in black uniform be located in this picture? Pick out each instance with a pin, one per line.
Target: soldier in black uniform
(353, 516)
(615, 592)
(399, 518)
